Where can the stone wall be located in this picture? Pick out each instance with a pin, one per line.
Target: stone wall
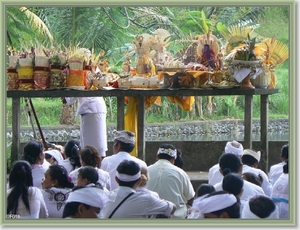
(200, 142)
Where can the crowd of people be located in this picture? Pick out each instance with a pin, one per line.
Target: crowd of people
(82, 182)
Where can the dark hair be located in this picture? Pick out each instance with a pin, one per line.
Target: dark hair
(179, 161)
(59, 173)
(20, 178)
(163, 155)
(233, 183)
(72, 148)
(32, 150)
(90, 156)
(205, 189)
(229, 162)
(262, 206)
(127, 147)
(286, 167)
(130, 168)
(233, 211)
(91, 174)
(249, 160)
(285, 151)
(253, 178)
(71, 208)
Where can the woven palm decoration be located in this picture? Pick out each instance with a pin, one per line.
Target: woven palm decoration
(276, 52)
(235, 36)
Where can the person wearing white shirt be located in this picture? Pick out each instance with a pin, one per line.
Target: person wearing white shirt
(229, 162)
(126, 202)
(276, 170)
(280, 192)
(214, 175)
(56, 188)
(124, 142)
(34, 154)
(23, 199)
(89, 156)
(250, 161)
(93, 130)
(71, 151)
(171, 182)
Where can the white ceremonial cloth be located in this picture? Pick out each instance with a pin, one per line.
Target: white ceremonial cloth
(38, 173)
(139, 205)
(110, 164)
(55, 200)
(248, 214)
(275, 172)
(281, 191)
(37, 205)
(66, 163)
(171, 183)
(93, 130)
(104, 177)
(266, 185)
(214, 175)
(249, 191)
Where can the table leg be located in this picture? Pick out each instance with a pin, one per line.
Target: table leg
(248, 121)
(264, 142)
(15, 147)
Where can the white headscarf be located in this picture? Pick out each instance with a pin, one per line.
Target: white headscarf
(252, 153)
(55, 154)
(92, 196)
(214, 203)
(234, 147)
(247, 214)
(128, 178)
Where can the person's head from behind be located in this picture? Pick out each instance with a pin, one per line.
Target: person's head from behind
(253, 178)
(89, 156)
(123, 141)
(56, 176)
(260, 206)
(230, 162)
(251, 157)
(53, 156)
(234, 147)
(33, 152)
(128, 174)
(286, 167)
(233, 183)
(83, 202)
(218, 204)
(71, 151)
(144, 176)
(87, 175)
(179, 161)
(167, 152)
(20, 178)
(205, 189)
(284, 152)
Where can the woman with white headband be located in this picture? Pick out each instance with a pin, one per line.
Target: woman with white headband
(218, 204)
(126, 202)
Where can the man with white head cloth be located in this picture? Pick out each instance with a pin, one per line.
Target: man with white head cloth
(85, 202)
(124, 142)
(171, 182)
(214, 175)
(260, 206)
(126, 202)
(250, 160)
(218, 204)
